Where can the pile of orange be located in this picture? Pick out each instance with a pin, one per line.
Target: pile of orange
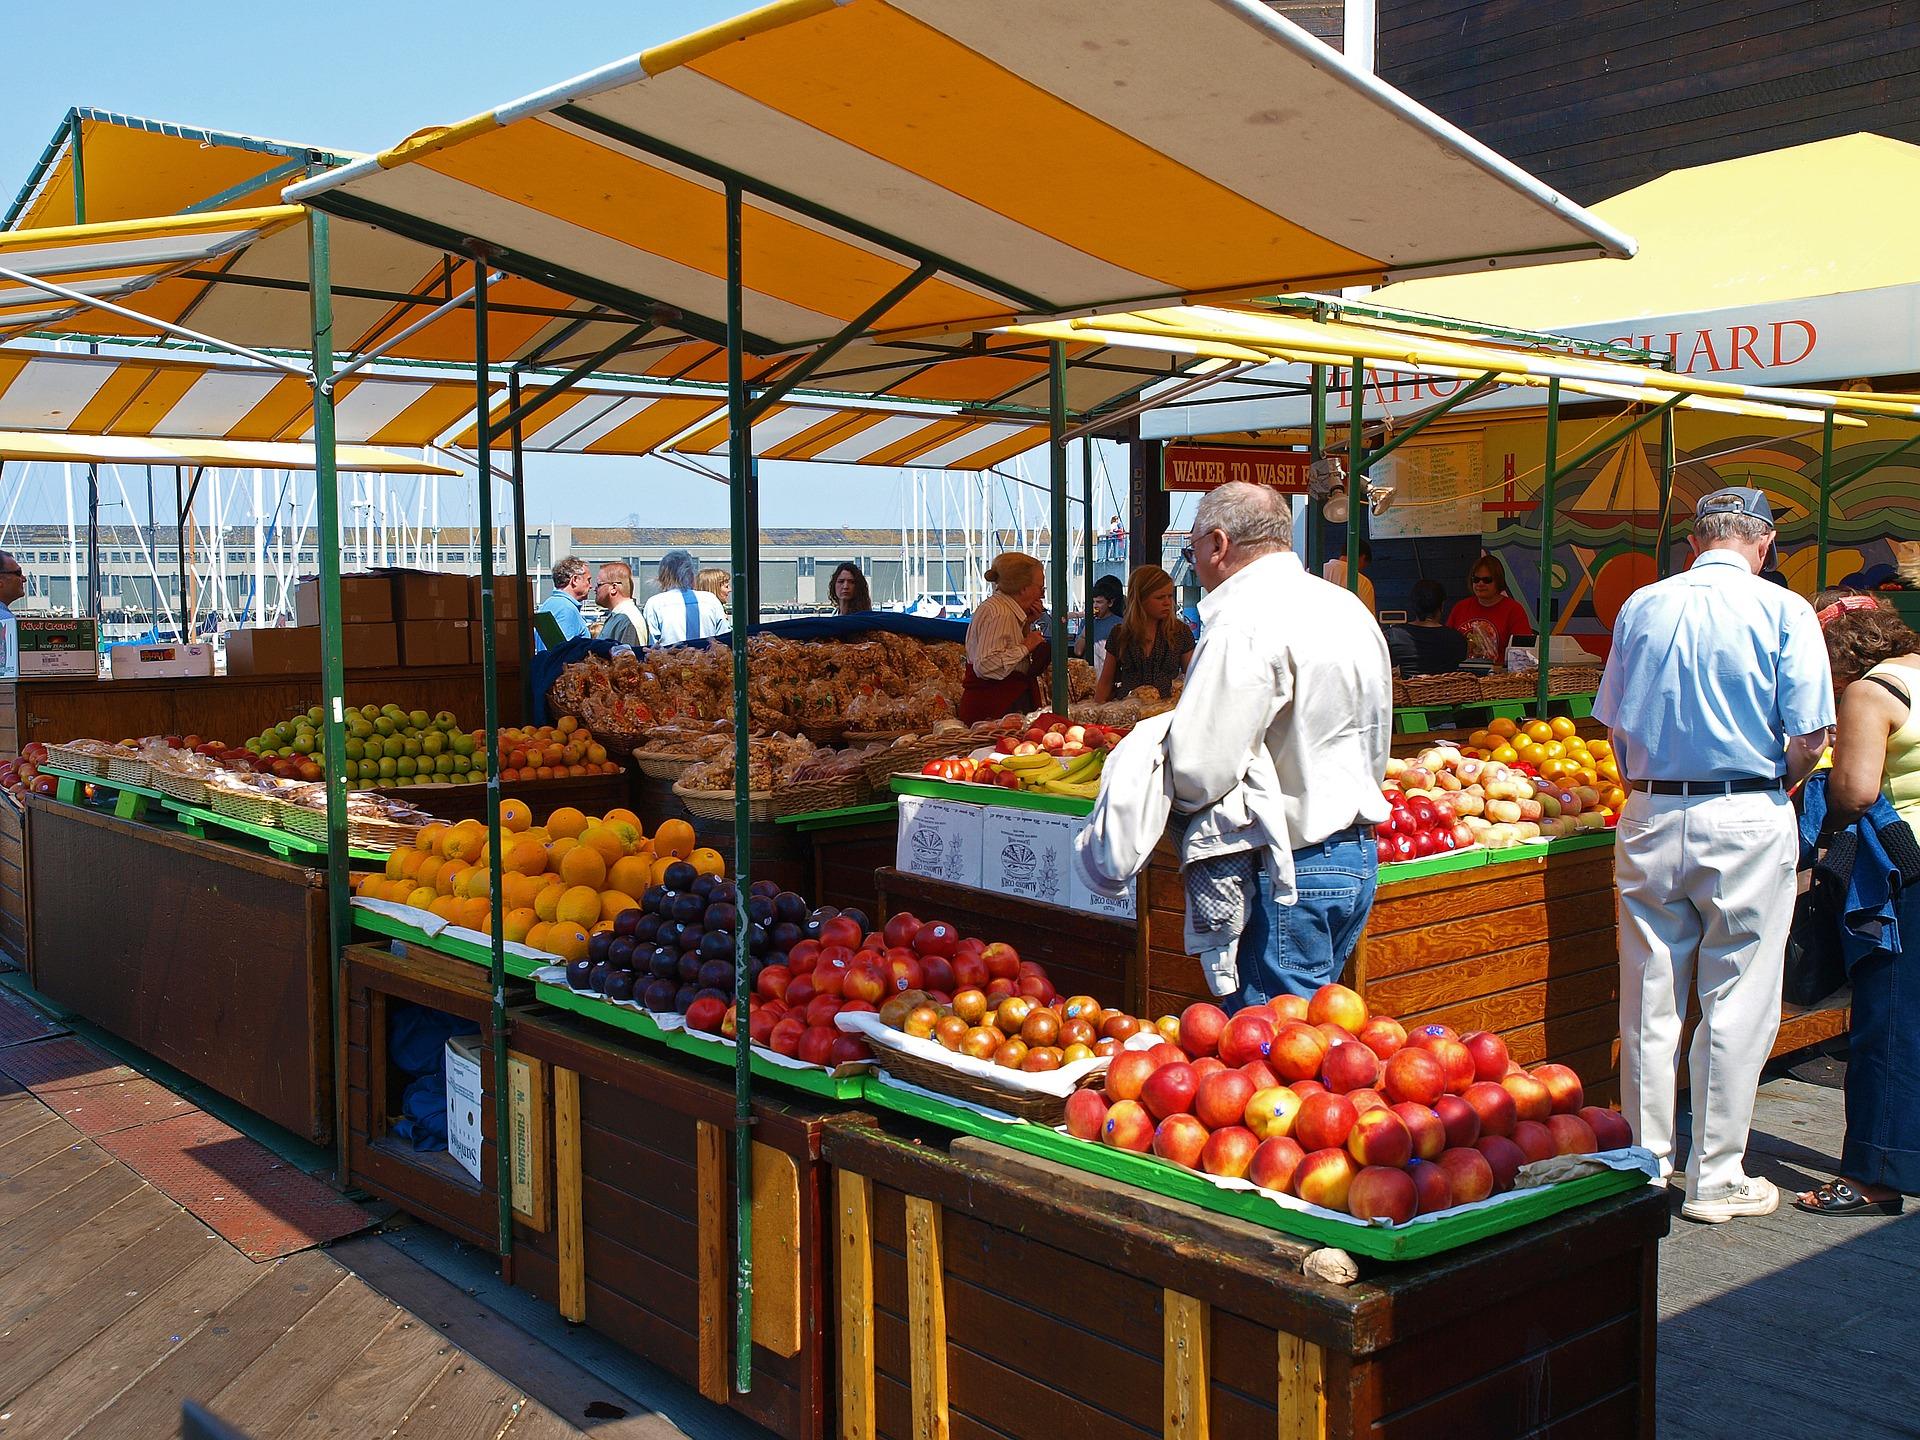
(559, 882)
(1555, 751)
(542, 752)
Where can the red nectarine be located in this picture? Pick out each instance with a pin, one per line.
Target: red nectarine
(1381, 1192)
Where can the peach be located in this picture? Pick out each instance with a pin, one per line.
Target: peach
(1180, 1138)
(1425, 1126)
(1338, 1005)
(1380, 1192)
(1503, 1156)
(1431, 1188)
(1380, 1137)
(1167, 1027)
(1262, 1077)
(1367, 1098)
(1534, 1139)
(1296, 1050)
(1165, 1053)
(1288, 1007)
(1206, 1065)
(1460, 1118)
(1337, 1034)
(1304, 1088)
(1221, 1099)
(1086, 1114)
(1127, 1072)
(1493, 1105)
(1468, 1172)
(1416, 1075)
(1274, 1163)
(1455, 1059)
(1350, 1067)
(1572, 1135)
(1271, 1112)
(1200, 1027)
(1489, 1051)
(1169, 1091)
(1427, 1034)
(1610, 1128)
(1563, 1087)
(1531, 1099)
(1128, 1127)
(1324, 1121)
(1246, 1036)
(1323, 1178)
(1229, 1151)
(1383, 1035)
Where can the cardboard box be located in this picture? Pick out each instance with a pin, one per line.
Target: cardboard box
(1081, 896)
(506, 642)
(364, 600)
(1027, 853)
(296, 649)
(463, 1103)
(939, 839)
(436, 642)
(132, 662)
(509, 597)
(50, 645)
(418, 595)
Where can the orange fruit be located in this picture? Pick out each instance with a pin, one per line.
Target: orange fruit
(566, 821)
(525, 857)
(514, 815)
(584, 866)
(631, 874)
(601, 927)
(612, 902)
(660, 869)
(567, 940)
(429, 872)
(1562, 727)
(1502, 727)
(547, 903)
(477, 882)
(580, 904)
(432, 837)
(449, 878)
(1538, 730)
(475, 911)
(557, 851)
(517, 890)
(1504, 753)
(1480, 740)
(610, 845)
(446, 907)
(675, 838)
(707, 861)
(515, 924)
(392, 870)
(628, 835)
(536, 936)
(466, 840)
(422, 897)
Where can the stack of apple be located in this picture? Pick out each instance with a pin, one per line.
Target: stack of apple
(1057, 735)
(1418, 826)
(1497, 804)
(17, 777)
(1319, 1100)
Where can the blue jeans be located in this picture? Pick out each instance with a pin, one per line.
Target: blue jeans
(1295, 949)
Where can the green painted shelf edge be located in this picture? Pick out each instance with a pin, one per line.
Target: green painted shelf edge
(518, 966)
(1409, 1242)
(989, 795)
(1410, 720)
(102, 780)
(809, 821)
(1475, 859)
(282, 842)
(635, 1022)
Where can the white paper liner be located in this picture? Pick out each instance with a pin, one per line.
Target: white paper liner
(1057, 1083)
(432, 925)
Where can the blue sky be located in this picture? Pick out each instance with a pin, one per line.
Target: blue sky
(355, 75)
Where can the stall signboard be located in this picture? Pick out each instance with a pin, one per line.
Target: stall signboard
(1436, 491)
(1207, 467)
(1028, 853)
(940, 840)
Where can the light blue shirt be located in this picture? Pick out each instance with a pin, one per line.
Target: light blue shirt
(1711, 672)
(565, 609)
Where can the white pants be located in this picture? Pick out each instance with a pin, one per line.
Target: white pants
(1706, 897)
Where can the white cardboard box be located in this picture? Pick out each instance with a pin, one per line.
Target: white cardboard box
(940, 840)
(1027, 853)
(463, 1103)
(1084, 897)
(129, 662)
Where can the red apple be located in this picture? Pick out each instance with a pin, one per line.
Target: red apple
(1531, 1099)
(1534, 1140)
(1128, 1127)
(705, 1014)
(822, 1008)
(803, 956)
(1200, 1027)
(1503, 1156)
(1001, 959)
(1489, 1051)
(1383, 1035)
(1229, 1151)
(1246, 1036)
(1415, 1075)
(1170, 1091)
(1323, 1178)
(937, 974)
(841, 931)
(846, 1050)
(938, 937)
(1165, 1054)
(1468, 1172)
(785, 1039)
(900, 929)
(1382, 1193)
(1221, 1099)
(1379, 1137)
(1572, 1135)
(1288, 1007)
(969, 971)
(772, 984)
(1460, 1118)
(1271, 1112)
(1296, 1051)
(1429, 1132)
(816, 1045)
(1493, 1105)
(1337, 1005)
(1350, 1067)
(1337, 1034)
(863, 981)
(1324, 1121)
(1610, 1128)
(1563, 1088)
(903, 973)
(1181, 1139)
(1128, 1071)
(1086, 1114)
(1274, 1163)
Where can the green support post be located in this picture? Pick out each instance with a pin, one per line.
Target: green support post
(490, 710)
(1543, 624)
(1087, 540)
(1317, 448)
(1668, 456)
(523, 609)
(1057, 492)
(1826, 502)
(740, 475)
(1356, 469)
(333, 677)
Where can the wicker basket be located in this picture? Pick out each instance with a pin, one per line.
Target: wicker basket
(251, 809)
(129, 772)
(829, 732)
(890, 760)
(186, 788)
(718, 804)
(311, 824)
(945, 1080)
(1509, 684)
(661, 765)
(1400, 694)
(1454, 688)
(1573, 679)
(79, 762)
(811, 795)
(873, 737)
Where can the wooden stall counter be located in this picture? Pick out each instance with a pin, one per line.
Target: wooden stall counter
(987, 1293)
(207, 956)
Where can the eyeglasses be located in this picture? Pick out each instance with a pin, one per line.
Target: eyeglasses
(16, 570)
(1186, 554)
(1483, 580)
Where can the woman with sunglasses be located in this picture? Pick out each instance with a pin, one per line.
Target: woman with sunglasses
(1489, 617)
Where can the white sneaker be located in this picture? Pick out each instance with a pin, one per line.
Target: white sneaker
(1753, 1197)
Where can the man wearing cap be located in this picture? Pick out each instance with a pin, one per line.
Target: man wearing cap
(1719, 701)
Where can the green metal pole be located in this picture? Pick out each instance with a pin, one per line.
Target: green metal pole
(1087, 540)
(740, 475)
(1826, 502)
(1057, 489)
(523, 610)
(1543, 626)
(1356, 470)
(1317, 448)
(333, 678)
(1668, 456)
(79, 168)
(490, 710)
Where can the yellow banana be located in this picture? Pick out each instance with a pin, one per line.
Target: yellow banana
(1081, 766)
(1021, 763)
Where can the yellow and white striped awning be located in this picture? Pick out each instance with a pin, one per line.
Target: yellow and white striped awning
(117, 259)
(1049, 157)
(141, 396)
(30, 446)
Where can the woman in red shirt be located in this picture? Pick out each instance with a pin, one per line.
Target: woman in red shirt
(1489, 617)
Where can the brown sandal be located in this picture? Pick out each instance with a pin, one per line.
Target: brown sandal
(1839, 1197)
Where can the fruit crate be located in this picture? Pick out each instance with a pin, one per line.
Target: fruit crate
(1412, 1241)
(989, 795)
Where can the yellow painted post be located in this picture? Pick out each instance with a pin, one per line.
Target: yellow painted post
(927, 1319)
(567, 1187)
(853, 1197)
(1186, 1334)
(1303, 1390)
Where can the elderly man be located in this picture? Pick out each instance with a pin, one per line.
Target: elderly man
(1719, 700)
(1291, 663)
(625, 625)
(570, 586)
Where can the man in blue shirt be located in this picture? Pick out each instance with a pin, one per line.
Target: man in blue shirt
(1719, 701)
(570, 586)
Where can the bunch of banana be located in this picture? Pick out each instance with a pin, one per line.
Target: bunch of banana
(1031, 770)
(1080, 780)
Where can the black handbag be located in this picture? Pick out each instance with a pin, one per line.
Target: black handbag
(1815, 966)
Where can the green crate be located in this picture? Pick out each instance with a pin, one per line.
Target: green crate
(989, 795)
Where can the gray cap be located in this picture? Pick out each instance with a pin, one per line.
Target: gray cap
(1735, 500)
